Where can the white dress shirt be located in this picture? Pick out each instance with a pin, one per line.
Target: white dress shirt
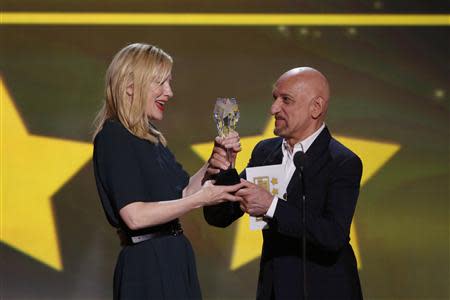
(288, 162)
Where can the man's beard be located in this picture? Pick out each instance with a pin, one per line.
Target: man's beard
(278, 132)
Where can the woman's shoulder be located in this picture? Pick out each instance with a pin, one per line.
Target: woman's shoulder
(112, 132)
(116, 128)
(115, 134)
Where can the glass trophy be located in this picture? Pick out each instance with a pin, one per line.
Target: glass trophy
(226, 116)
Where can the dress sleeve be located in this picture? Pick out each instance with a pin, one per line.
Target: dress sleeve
(119, 168)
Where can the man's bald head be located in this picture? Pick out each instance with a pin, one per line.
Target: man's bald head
(310, 81)
(301, 98)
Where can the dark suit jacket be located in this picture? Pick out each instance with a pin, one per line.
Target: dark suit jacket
(332, 175)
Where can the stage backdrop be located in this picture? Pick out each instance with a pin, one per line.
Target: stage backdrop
(387, 62)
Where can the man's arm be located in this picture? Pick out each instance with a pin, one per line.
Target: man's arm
(331, 229)
(223, 214)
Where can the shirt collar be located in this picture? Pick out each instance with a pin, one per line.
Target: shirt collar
(302, 145)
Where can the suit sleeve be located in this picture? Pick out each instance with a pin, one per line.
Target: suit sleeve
(331, 229)
(223, 214)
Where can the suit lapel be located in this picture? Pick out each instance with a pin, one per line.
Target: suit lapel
(271, 154)
(275, 156)
(316, 157)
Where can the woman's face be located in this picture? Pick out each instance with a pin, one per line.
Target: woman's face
(157, 99)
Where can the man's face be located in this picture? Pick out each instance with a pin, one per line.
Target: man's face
(291, 107)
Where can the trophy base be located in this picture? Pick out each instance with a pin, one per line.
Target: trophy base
(227, 177)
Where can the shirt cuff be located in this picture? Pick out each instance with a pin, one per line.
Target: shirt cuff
(271, 211)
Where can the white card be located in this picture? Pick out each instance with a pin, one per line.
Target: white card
(272, 179)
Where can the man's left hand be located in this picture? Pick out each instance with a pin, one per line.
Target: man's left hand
(256, 200)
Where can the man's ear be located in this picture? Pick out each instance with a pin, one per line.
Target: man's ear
(317, 107)
(130, 90)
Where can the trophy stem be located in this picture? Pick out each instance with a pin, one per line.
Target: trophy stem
(230, 158)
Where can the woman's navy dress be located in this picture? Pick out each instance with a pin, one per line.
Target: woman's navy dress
(129, 169)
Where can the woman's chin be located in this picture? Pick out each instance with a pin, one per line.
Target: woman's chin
(158, 117)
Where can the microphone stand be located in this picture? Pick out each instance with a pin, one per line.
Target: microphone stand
(299, 159)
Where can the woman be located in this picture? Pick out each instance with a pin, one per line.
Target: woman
(142, 188)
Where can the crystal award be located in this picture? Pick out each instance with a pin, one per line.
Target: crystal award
(226, 116)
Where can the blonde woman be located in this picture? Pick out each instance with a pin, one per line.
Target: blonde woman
(142, 188)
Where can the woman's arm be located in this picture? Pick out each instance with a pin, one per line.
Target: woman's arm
(195, 182)
(137, 215)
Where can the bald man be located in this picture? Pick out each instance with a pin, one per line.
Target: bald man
(306, 252)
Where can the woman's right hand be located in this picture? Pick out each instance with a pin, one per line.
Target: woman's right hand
(214, 194)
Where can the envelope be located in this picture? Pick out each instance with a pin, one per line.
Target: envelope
(272, 179)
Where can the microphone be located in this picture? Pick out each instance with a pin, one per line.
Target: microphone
(299, 162)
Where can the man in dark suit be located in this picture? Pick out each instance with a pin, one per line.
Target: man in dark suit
(306, 251)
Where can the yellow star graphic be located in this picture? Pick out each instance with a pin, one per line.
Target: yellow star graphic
(248, 244)
(33, 169)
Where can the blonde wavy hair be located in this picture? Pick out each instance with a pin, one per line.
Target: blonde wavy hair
(136, 65)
